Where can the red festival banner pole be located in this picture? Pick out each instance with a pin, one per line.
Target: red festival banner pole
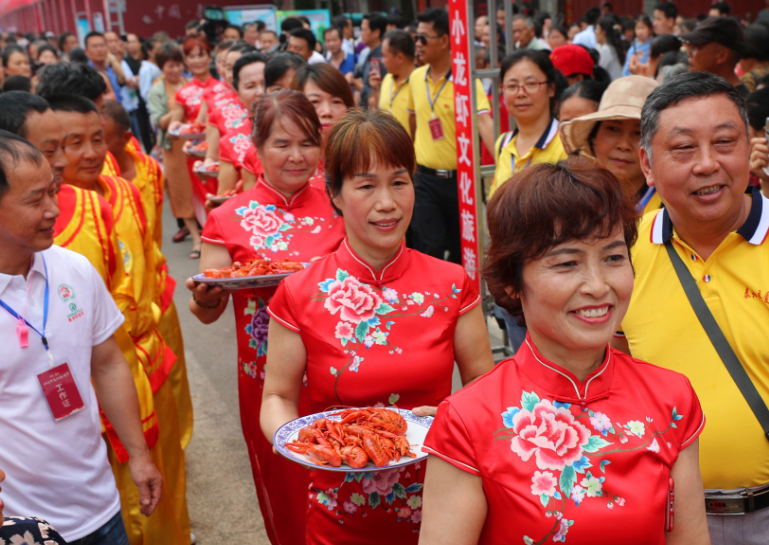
(464, 101)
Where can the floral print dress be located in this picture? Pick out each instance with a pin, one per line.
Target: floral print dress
(236, 144)
(28, 531)
(373, 338)
(263, 222)
(564, 461)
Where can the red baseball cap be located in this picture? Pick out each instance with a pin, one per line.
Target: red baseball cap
(572, 59)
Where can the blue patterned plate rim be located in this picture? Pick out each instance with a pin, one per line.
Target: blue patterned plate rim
(289, 429)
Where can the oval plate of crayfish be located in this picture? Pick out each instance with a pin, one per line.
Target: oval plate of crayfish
(355, 440)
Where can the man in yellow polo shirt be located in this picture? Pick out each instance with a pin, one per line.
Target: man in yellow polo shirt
(432, 119)
(695, 152)
(393, 93)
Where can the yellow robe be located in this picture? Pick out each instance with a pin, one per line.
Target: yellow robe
(170, 525)
(86, 226)
(150, 182)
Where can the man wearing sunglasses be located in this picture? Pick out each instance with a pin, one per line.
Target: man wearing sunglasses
(432, 120)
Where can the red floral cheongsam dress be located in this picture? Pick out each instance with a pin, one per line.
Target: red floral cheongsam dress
(191, 98)
(263, 222)
(253, 165)
(232, 115)
(235, 144)
(371, 338)
(218, 95)
(585, 463)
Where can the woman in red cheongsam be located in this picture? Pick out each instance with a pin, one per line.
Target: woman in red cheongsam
(569, 441)
(373, 322)
(330, 93)
(189, 99)
(282, 217)
(248, 79)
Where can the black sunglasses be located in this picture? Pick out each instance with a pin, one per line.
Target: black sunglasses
(422, 38)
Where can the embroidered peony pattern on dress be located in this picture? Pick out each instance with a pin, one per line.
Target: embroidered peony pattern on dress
(567, 445)
(367, 315)
(272, 228)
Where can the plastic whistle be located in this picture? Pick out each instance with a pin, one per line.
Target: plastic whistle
(22, 331)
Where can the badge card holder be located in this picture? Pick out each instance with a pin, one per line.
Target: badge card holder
(60, 391)
(436, 129)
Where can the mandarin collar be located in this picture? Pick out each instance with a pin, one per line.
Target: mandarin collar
(267, 194)
(392, 270)
(562, 383)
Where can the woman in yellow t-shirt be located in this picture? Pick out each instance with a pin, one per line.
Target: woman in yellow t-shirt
(530, 91)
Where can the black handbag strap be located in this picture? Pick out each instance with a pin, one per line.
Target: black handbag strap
(719, 341)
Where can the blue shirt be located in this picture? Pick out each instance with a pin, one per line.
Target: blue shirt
(642, 50)
(113, 80)
(586, 38)
(347, 65)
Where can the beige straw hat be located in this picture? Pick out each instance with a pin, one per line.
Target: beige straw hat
(623, 99)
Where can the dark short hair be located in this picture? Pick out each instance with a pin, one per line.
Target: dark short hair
(115, 111)
(546, 205)
(243, 47)
(46, 47)
(400, 41)
(78, 56)
(340, 21)
(75, 79)
(376, 22)
(92, 34)
(561, 29)
(245, 60)
(332, 28)
(674, 90)
(758, 108)
(286, 103)
(192, 23)
(306, 35)
(592, 15)
(722, 7)
(290, 23)
(63, 39)
(664, 44)
(235, 27)
(15, 107)
(756, 43)
(17, 83)
(169, 51)
(260, 25)
(279, 64)
(588, 89)
(72, 103)
(327, 78)
(397, 21)
(14, 150)
(542, 61)
(10, 50)
(668, 8)
(438, 17)
(360, 138)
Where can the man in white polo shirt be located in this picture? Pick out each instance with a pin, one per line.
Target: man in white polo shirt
(58, 356)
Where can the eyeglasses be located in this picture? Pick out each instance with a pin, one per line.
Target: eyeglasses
(530, 87)
(422, 38)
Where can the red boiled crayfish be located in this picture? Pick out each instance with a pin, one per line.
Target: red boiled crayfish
(363, 434)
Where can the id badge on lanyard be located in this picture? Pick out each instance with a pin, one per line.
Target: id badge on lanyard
(58, 384)
(436, 129)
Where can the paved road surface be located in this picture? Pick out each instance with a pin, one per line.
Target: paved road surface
(220, 490)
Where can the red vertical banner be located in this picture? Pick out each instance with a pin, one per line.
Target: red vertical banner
(461, 63)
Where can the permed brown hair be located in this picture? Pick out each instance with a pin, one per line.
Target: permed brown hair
(191, 42)
(292, 105)
(546, 205)
(327, 78)
(362, 138)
